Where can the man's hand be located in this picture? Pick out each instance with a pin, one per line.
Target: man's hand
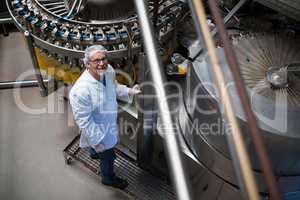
(135, 90)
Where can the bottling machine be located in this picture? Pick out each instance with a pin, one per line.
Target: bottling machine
(265, 37)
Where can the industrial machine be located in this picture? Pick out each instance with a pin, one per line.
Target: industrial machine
(61, 30)
(265, 36)
(4, 18)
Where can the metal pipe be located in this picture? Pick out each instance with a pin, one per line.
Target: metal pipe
(226, 19)
(5, 32)
(73, 7)
(64, 13)
(250, 117)
(6, 20)
(56, 7)
(171, 143)
(238, 148)
(231, 13)
(78, 7)
(155, 13)
(60, 11)
(35, 64)
(53, 4)
(19, 84)
(236, 19)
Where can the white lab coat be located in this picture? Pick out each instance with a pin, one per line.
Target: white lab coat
(95, 109)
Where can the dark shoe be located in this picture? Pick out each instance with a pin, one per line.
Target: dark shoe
(117, 183)
(93, 153)
(94, 156)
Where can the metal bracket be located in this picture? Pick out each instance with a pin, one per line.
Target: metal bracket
(39, 77)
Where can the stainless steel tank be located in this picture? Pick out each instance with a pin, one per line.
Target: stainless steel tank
(269, 64)
(290, 8)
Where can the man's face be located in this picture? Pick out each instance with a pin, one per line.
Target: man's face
(98, 64)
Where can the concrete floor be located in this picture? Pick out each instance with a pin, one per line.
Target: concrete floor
(33, 133)
(14, 57)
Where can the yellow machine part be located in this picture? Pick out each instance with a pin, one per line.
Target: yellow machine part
(127, 77)
(54, 68)
(69, 74)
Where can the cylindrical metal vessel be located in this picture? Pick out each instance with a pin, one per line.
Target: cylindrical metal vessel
(204, 126)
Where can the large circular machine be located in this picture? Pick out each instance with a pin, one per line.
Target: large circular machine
(62, 29)
(269, 64)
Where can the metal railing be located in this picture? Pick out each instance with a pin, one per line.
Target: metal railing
(171, 142)
(237, 146)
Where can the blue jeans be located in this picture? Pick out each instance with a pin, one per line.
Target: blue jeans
(107, 159)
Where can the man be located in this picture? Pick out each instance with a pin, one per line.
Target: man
(94, 103)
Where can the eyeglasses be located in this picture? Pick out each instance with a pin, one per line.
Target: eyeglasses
(98, 60)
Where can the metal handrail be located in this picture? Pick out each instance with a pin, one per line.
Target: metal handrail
(255, 135)
(171, 141)
(238, 150)
(19, 84)
(6, 20)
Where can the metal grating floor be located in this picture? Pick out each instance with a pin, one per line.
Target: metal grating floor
(142, 185)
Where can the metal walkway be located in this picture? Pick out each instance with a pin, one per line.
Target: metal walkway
(142, 185)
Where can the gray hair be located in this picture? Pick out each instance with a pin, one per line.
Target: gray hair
(90, 51)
